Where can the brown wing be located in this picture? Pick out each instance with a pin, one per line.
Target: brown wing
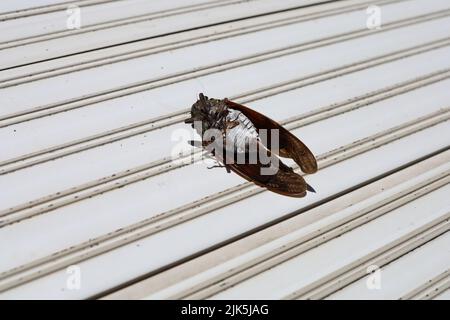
(285, 181)
(290, 145)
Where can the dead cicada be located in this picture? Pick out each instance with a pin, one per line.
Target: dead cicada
(234, 134)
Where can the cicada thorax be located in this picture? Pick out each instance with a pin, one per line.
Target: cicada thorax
(235, 139)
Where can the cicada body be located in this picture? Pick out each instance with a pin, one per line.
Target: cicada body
(250, 144)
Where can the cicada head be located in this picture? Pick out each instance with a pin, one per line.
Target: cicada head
(210, 112)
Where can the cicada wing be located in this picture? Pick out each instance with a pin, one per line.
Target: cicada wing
(285, 181)
(289, 145)
(298, 151)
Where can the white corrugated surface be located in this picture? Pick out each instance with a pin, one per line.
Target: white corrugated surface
(88, 122)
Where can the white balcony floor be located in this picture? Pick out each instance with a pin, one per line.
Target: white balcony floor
(87, 119)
